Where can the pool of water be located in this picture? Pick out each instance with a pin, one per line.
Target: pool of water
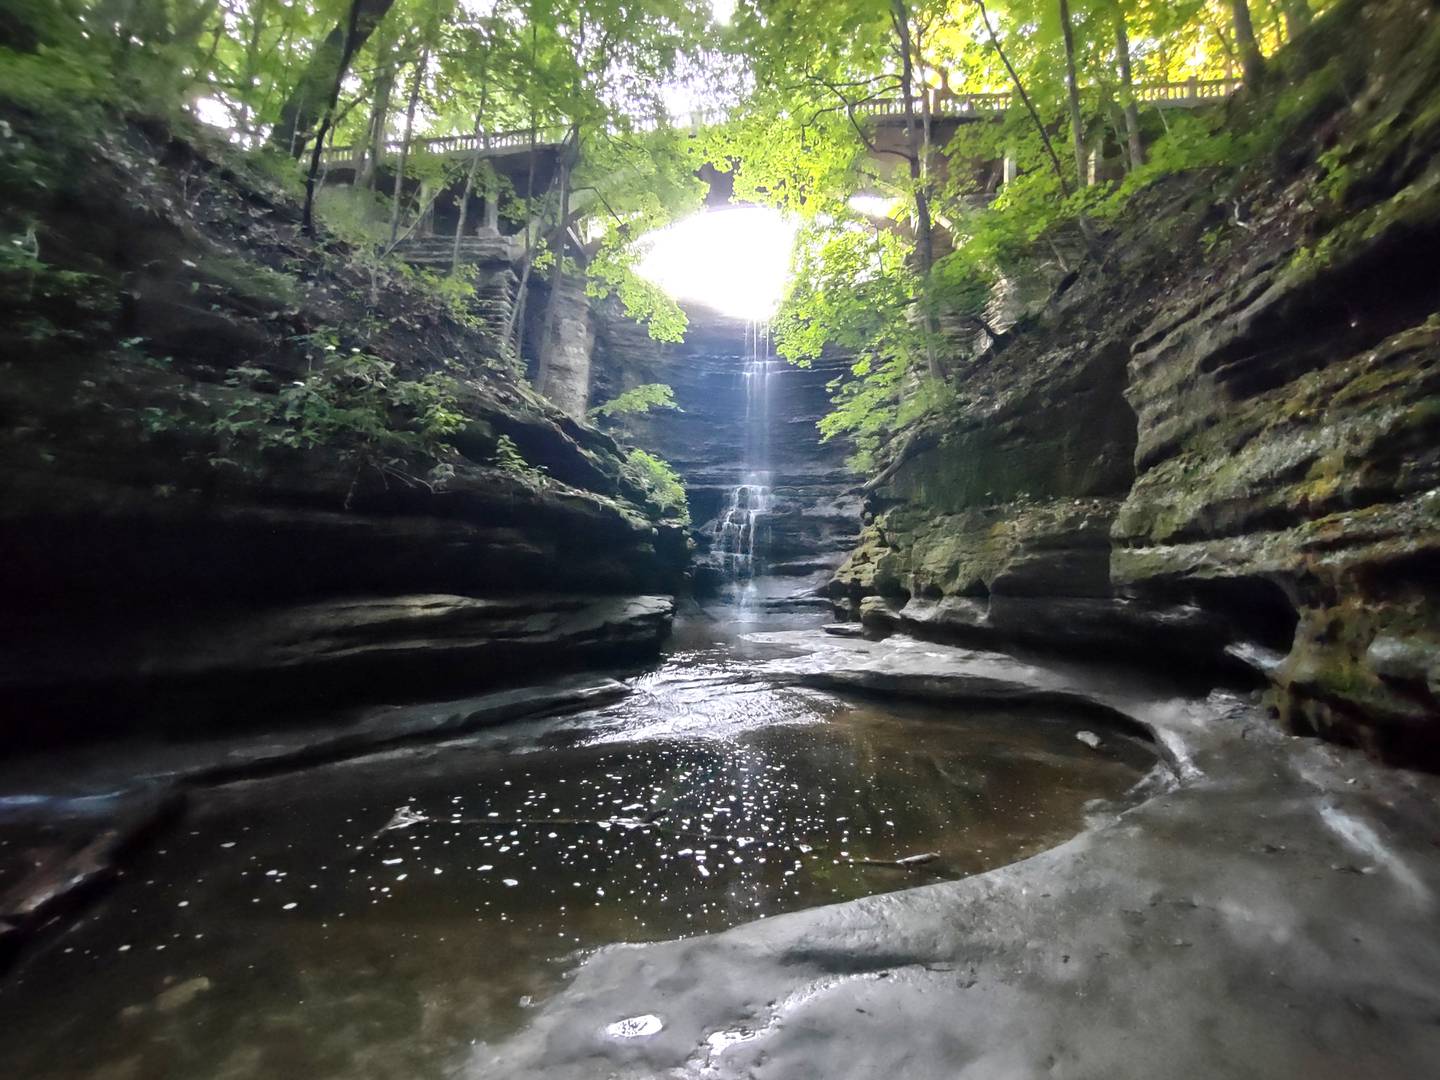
(379, 918)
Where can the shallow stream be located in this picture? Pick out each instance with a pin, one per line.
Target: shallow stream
(379, 918)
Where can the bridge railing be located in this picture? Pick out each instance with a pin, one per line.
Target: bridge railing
(449, 144)
(945, 105)
(941, 104)
(1192, 91)
(507, 140)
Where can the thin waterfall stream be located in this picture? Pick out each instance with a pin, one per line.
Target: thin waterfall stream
(742, 524)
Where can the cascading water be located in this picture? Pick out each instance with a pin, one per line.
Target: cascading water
(743, 521)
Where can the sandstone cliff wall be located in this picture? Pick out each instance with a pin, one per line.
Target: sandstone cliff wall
(1219, 445)
(141, 531)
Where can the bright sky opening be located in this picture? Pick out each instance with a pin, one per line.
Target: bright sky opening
(735, 260)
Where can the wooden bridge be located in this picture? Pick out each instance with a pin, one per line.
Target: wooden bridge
(1191, 94)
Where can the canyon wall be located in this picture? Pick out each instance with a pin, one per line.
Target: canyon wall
(1217, 446)
(190, 523)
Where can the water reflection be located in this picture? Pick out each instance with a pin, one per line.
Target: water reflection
(378, 918)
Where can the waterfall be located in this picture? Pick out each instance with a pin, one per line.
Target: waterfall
(743, 521)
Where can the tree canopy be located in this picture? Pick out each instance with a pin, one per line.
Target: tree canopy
(904, 237)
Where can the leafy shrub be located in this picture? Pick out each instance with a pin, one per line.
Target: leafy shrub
(456, 292)
(508, 458)
(660, 482)
(358, 216)
(46, 303)
(351, 401)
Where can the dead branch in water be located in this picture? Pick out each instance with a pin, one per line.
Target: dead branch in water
(903, 863)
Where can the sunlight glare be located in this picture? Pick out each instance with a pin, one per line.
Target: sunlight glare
(874, 206)
(735, 260)
(213, 111)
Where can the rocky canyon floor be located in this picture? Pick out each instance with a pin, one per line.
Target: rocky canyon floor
(691, 873)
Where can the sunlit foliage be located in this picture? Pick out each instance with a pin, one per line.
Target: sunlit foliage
(789, 86)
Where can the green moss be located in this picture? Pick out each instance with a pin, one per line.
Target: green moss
(1421, 414)
(1300, 105)
(1348, 680)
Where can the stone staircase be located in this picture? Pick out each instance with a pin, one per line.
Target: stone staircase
(495, 296)
(435, 252)
(496, 283)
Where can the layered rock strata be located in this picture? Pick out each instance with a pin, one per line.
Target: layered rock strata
(149, 494)
(811, 517)
(1217, 444)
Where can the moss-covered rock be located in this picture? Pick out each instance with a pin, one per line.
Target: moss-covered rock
(1278, 325)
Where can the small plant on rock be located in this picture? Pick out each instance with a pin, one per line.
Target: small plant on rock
(637, 401)
(660, 482)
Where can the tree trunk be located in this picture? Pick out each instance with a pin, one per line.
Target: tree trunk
(306, 105)
(1127, 92)
(1252, 63)
(251, 67)
(399, 189)
(190, 28)
(1072, 87)
(347, 52)
(1297, 16)
(379, 113)
(1025, 99)
(516, 326)
(469, 184)
(924, 242)
(924, 228)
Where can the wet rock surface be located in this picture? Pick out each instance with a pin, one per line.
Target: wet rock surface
(1210, 931)
(392, 913)
(328, 653)
(71, 819)
(55, 853)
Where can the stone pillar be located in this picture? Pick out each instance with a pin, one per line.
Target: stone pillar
(423, 202)
(1008, 169)
(572, 343)
(491, 225)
